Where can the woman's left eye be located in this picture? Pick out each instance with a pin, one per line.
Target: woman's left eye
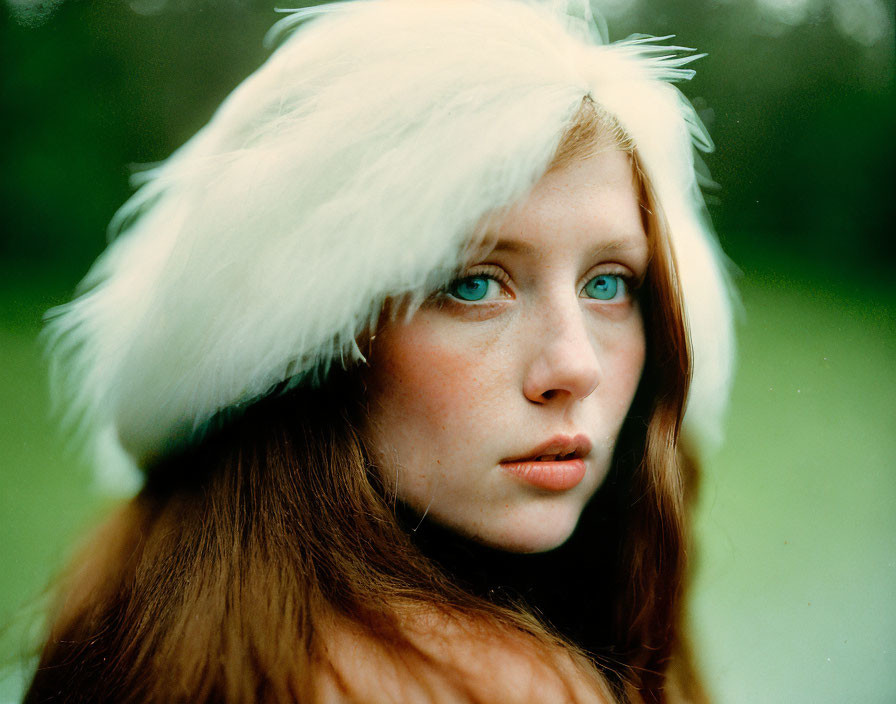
(606, 287)
(474, 288)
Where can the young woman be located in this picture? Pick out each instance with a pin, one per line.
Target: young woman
(401, 344)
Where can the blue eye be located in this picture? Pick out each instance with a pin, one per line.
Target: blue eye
(605, 287)
(471, 288)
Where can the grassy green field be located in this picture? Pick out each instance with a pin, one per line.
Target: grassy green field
(796, 591)
(795, 596)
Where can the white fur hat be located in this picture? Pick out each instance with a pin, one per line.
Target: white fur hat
(354, 166)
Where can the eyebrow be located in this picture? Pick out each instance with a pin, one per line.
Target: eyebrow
(617, 244)
(509, 246)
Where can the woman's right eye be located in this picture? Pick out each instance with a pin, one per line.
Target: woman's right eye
(474, 288)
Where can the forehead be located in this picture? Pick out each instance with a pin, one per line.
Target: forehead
(592, 202)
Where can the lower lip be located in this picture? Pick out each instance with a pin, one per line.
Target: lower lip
(551, 476)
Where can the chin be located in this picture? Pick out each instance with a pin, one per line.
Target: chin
(532, 538)
(531, 546)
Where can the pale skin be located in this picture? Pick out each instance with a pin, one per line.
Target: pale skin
(465, 384)
(541, 337)
(495, 666)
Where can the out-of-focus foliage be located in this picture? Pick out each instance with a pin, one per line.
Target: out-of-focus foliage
(93, 88)
(803, 116)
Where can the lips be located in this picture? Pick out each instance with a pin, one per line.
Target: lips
(559, 447)
(555, 465)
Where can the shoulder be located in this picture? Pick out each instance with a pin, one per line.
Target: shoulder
(443, 658)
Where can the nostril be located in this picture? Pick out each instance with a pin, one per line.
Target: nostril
(549, 394)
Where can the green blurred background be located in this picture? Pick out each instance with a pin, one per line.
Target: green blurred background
(795, 596)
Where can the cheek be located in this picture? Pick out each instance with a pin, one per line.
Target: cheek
(624, 358)
(422, 387)
(410, 368)
(633, 354)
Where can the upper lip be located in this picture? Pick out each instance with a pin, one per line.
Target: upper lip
(559, 447)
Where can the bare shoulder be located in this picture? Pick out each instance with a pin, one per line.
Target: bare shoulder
(444, 658)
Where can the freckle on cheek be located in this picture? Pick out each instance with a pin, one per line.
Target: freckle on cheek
(434, 362)
(434, 373)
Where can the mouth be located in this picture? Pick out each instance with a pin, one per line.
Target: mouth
(560, 448)
(574, 455)
(555, 465)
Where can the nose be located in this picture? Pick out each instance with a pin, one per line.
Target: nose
(565, 363)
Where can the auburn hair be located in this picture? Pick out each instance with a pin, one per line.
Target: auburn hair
(271, 563)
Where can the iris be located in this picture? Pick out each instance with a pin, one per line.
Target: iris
(470, 288)
(605, 287)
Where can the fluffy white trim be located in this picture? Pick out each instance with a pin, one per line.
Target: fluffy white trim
(353, 166)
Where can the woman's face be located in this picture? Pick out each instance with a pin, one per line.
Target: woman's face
(495, 409)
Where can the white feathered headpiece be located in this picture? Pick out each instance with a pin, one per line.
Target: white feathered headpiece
(354, 166)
